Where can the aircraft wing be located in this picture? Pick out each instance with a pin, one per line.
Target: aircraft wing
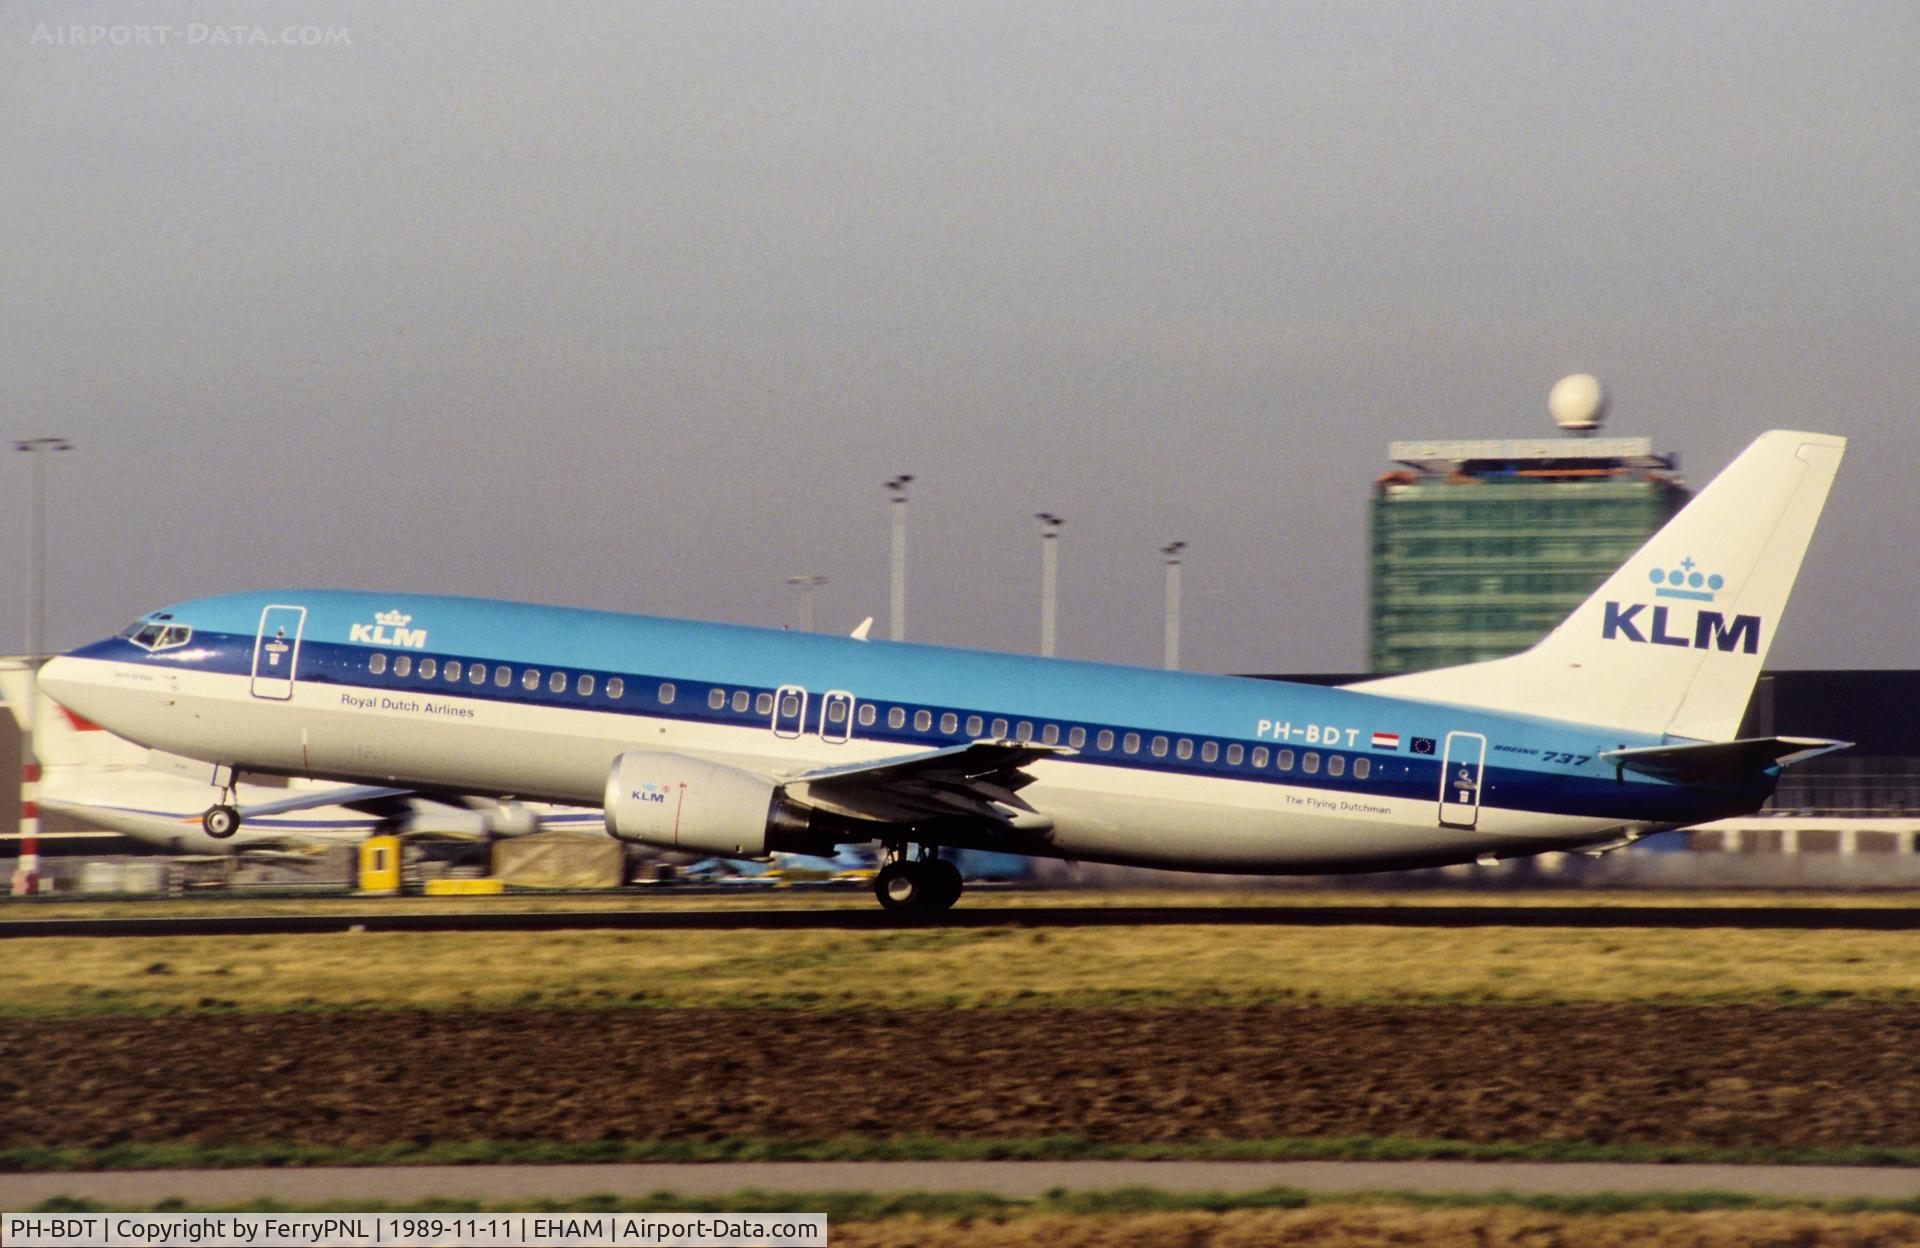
(979, 780)
(366, 798)
(1707, 762)
(433, 815)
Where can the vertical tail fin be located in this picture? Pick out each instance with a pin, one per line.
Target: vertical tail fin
(1673, 641)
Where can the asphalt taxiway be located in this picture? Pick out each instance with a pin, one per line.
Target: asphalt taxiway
(862, 918)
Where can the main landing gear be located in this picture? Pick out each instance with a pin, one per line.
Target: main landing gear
(915, 880)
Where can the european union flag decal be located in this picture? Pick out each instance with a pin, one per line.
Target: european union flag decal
(1422, 745)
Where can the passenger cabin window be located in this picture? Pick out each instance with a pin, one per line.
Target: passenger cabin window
(717, 698)
(530, 679)
(999, 732)
(477, 674)
(949, 723)
(1310, 762)
(617, 689)
(764, 705)
(1184, 749)
(403, 666)
(922, 720)
(742, 700)
(1283, 761)
(502, 677)
(1210, 751)
(377, 664)
(1105, 740)
(1050, 735)
(585, 686)
(1362, 768)
(1132, 743)
(451, 671)
(896, 717)
(1235, 753)
(557, 683)
(789, 705)
(1159, 747)
(1077, 738)
(974, 725)
(1259, 758)
(868, 713)
(1337, 765)
(837, 711)
(428, 669)
(1023, 731)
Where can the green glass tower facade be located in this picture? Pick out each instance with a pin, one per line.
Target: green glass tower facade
(1479, 548)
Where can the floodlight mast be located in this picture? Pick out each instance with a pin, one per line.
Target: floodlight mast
(1171, 553)
(897, 493)
(26, 871)
(806, 585)
(1049, 580)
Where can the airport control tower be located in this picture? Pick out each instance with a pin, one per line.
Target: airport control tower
(1480, 547)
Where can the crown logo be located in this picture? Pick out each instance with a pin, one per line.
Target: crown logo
(393, 619)
(1686, 581)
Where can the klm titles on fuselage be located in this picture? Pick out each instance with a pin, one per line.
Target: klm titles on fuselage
(389, 629)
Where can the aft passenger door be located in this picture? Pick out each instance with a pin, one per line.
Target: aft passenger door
(1460, 770)
(276, 651)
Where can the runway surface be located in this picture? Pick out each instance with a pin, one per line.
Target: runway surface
(1004, 1178)
(677, 918)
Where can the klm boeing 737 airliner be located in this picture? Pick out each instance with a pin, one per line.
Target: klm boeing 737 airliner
(744, 742)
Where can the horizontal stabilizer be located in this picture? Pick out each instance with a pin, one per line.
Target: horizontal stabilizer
(1710, 762)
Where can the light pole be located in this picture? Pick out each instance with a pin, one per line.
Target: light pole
(26, 872)
(1049, 578)
(1171, 553)
(897, 492)
(806, 586)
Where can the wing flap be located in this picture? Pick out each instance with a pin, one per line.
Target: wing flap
(979, 780)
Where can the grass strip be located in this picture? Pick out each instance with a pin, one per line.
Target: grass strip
(1122, 966)
(180, 1156)
(869, 1206)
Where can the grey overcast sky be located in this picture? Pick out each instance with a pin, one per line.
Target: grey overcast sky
(635, 306)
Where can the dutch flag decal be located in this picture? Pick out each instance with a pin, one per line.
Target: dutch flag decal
(1386, 740)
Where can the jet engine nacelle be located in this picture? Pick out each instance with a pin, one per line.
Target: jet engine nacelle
(677, 802)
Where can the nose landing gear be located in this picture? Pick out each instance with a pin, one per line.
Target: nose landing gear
(222, 819)
(220, 822)
(920, 885)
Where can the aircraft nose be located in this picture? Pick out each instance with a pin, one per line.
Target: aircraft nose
(58, 678)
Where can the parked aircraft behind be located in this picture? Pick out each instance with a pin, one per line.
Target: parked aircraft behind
(103, 781)
(743, 742)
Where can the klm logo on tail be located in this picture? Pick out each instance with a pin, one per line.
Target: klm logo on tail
(1667, 625)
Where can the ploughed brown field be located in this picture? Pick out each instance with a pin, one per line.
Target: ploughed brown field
(1735, 1075)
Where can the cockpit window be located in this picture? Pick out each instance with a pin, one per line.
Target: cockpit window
(158, 634)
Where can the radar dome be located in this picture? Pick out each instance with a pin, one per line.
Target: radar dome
(1578, 403)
